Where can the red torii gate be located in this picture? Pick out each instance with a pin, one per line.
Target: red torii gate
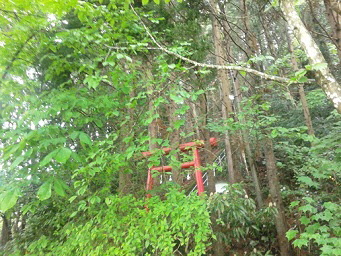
(194, 146)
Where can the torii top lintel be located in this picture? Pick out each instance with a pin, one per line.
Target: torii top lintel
(185, 146)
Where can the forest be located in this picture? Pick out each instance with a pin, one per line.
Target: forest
(170, 127)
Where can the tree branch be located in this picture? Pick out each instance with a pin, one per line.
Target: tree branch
(15, 56)
(213, 66)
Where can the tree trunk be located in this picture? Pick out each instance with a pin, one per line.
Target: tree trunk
(322, 73)
(124, 178)
(6, 231)
(251, 40)
(249, 158)
(306, 112)
(335, 23)
(124, 182)
(208, 156)
(196, 119)
(223, 77)
(153, 126)
(174, 141)
(276, 197)
(336, 6)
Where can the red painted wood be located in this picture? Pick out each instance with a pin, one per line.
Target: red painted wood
(196, 163)
(185, 146)
(198, 174)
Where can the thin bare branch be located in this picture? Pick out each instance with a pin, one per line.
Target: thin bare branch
(213, 66)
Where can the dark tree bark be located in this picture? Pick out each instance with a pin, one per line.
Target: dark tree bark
(124, 178)
(174, 141)
(276, 197)
(6, 233)
(334, 18)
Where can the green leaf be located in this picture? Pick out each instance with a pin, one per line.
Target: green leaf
(303, 79)
(63, 155)
(308, 67)
(291, 234)
(305, 220)
(178, 124)
(331, 206)
(319, 66)
(84, 138)
(243, 73)
(59, 187)
(300, 73)
(44, 191)
(93, 81)
(307, 208)
(47, 158)
(144, 2)
(9, 199)
(294, 203)
(71, 199)
(171, 66)
(300, 242)
(99, 123)
(108, 201)
(176, 99)
(17, 161)
(308, 181)
(74, 135)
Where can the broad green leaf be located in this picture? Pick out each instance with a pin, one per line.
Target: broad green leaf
(8, 199)
(59, 187)
(307, 208)
(291, 234)
(303, 79)
(331, 206)
(84, 138)
(144, 2)
(308, 67)
(93, 81)
(99, 123)
(300, 72)
(47, 158)
(74, 135)
(176, 99)
(304, 220)
(294, 203)
(300, 242)
(63, 155)
(44, 191)
(308, 181)
(319, 66)
(178, 124)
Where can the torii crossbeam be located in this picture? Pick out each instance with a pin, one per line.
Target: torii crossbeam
(194, 146)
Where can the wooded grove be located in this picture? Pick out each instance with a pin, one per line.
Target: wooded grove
(98, 99)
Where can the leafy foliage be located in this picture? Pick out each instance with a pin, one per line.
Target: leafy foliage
(130, 226)
(84, 85)
(240, 222)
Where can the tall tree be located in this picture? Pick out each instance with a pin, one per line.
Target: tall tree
(321, 70)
